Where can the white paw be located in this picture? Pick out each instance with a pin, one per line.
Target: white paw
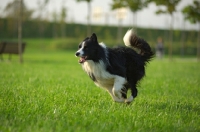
(117, 93)
(119, 100)
(129, 100)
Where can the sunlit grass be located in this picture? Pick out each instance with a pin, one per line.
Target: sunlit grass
(51, 92)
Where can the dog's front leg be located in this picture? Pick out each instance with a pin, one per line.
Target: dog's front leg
(116, 99)
(118, 86)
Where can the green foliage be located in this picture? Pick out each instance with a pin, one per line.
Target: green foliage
(60, 44)
(84, 0)
(192, 12)
(136, 5)
(52, 37)
(133, 5)
(51, 92)
(12, 10)
(169, 4)
(8, 29)
(118, 4)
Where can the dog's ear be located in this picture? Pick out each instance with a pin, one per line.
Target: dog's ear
(93, 37)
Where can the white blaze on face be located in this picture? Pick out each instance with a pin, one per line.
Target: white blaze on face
(81, 49)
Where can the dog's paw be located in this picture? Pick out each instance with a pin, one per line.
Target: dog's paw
(129, 100)
(117, 93)
(119, 100)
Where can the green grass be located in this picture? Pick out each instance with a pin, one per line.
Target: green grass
(51, 92)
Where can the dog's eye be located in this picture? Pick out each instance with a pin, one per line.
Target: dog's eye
(79, 46)
(85, 47)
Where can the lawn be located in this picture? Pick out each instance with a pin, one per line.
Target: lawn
(50, 92)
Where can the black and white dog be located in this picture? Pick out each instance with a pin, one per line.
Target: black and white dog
(116, 69)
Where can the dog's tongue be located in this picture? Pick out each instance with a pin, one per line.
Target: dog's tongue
(82, 59)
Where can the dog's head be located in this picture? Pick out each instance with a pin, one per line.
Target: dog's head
(87, 49)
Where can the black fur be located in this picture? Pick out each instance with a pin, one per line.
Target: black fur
(121, 61)
(127, 63)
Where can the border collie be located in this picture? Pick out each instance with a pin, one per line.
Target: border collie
(115, 69)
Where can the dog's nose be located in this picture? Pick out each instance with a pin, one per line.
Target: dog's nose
(77, 53)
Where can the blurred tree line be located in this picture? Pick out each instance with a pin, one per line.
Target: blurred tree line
(191, 12)
(41, 27)
(8, 29)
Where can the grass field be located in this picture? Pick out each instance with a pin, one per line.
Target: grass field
(51, 93)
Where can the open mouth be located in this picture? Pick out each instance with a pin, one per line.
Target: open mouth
(82, 59)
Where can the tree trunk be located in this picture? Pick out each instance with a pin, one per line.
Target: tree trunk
(171, 37)
(135, 22)
(198, 44)
(119, 32)
(183, 40)
(20, 32)
(89, 20)
(63, 26)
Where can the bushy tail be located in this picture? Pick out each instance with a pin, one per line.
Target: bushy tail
(138, 44)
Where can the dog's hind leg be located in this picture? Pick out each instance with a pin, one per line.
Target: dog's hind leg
(133, 93)
(124, 91)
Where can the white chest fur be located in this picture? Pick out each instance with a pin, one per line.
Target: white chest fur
(103, 78)
(112, 83)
